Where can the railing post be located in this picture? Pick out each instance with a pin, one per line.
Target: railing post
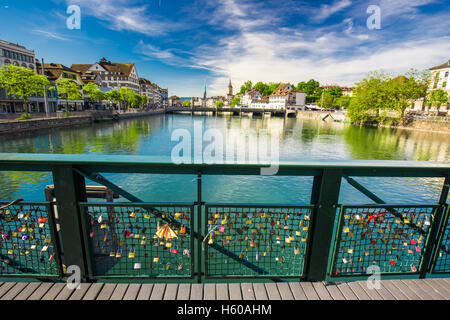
(325, 195)
(70, 189)
(433, 238)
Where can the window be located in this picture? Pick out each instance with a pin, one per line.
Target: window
(3, 53)
(446, 74)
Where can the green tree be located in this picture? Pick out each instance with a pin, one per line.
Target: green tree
(235, 102)
(334, 91)
(22, 82)
(219, 104)
(343, 101)
(93, 92)
(68, 90)
(186, 103)
(437, 99)
(261, 87)
(144, 100)
(127, 97)
(372, 96)
(113, 96)
(311, 88)
(246, 86)
(328, 100)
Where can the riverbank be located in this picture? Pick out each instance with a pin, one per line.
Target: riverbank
(435, 126)
(15, 126)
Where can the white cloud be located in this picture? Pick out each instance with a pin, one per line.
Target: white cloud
(120, 16)
(326, 11)
(49, 34)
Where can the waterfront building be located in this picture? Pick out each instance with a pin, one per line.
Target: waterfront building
(157, 96)
(54, 72)
(261, 103)
(114, 75)
(286, 96)
(175, 101)
(146, 89)
(165, 97)
(250, 96)
(17, 55)
(440, 79)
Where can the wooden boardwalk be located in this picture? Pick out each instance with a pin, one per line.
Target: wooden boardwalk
(423, 289)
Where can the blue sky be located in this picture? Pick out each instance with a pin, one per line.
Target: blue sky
(180, 44)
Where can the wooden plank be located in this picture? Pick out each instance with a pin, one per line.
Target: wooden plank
(285, 291)
(235, 291)
(53, 292)
(5, 288)
(377, 294)
(442, 286)
(158, 291)
(132, 291)
(410, 294)
(334, 291)
(197, 291)
(260, 291)
(247, 291)
(171, 291)
(145, 292)
(272, 291)
(417, 290)
(430, 289)
(396, 292)
(209, 291)
(222, 291)
(79, 293)
(41, 291)
(446, 280)
(372, 293)
(184, 290)
(358, 291)
(309, 291)
(119, 291)
(106, 291)
(14, 291)
(297, 291)
(28, 291)
(321, 291)
(347, 291)
(93, 291)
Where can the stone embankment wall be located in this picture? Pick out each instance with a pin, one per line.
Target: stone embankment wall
(12, 126)
(36, 124)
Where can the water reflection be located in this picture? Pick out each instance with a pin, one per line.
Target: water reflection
(299, 139)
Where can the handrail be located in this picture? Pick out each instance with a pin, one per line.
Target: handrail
(164, 165)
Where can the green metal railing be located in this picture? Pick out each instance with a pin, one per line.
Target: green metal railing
(29, 246)
(441, 259)
(320, 241)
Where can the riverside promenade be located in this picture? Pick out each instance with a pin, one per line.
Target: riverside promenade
(9, 124)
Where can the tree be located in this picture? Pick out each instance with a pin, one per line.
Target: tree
(334, 91)
(135, 100)
(372, 95)
(113, 96)
(219, 104)
(235, 102)
(437, 99)
(246, 86)
(406, 89)
(69, 90)
(328, 100)
(126, 97)
(186, 103)
(311, 88)
(93, 92)
(22, 82)
(343, 101)
(144, 100)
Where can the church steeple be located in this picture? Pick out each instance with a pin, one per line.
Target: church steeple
(230, 88)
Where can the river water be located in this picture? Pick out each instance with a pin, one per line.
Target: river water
(298, 140)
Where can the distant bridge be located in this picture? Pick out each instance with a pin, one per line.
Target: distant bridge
(235, 111)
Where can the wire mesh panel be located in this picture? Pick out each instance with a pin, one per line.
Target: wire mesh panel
(392, 238)
(140, 240)
(442, 258)
(256, 241)
(28, 246)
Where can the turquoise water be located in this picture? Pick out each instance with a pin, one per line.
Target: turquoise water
(298, 139)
